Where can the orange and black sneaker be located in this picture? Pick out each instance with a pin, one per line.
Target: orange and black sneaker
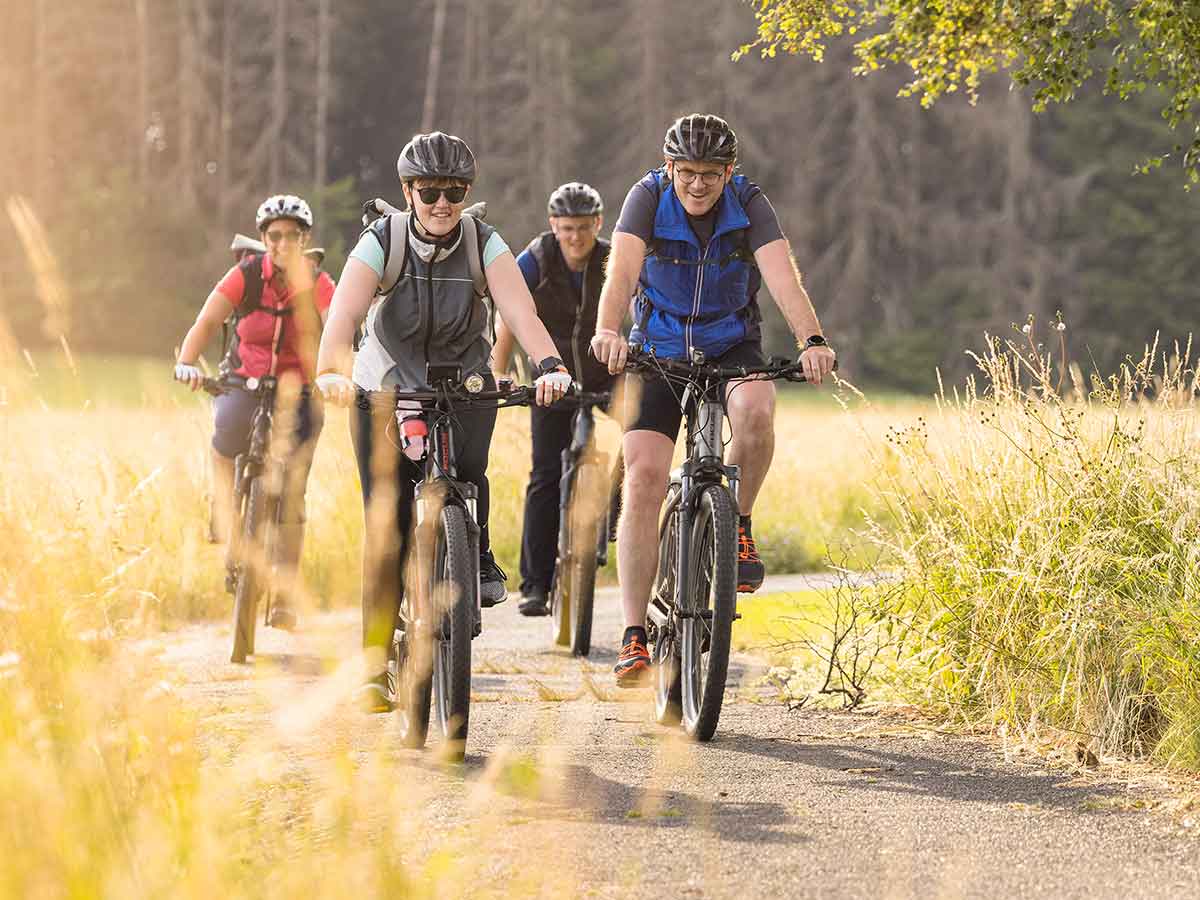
(633, 662)
(751, 570)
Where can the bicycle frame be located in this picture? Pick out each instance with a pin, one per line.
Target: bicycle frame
(440, 486)
(704, 465)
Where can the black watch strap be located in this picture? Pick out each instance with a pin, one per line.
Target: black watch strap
(815, 340)
(549, 364)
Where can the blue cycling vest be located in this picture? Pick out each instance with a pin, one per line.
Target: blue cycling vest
(693, 295)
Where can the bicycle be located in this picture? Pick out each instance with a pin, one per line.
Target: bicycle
(429, 663)
(693, 603)
(257, 486)
(583, 529)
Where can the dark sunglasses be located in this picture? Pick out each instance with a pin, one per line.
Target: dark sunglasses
(429, 196)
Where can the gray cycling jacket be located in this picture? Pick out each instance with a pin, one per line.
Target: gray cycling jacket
(432, 315)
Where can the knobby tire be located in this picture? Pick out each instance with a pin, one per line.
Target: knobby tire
(454, 594)
(250, 555)
(713, 569)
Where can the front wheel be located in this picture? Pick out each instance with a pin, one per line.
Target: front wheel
(410, 671)
(249, 560)
(665, 657)
(453, 596)
(707, 611)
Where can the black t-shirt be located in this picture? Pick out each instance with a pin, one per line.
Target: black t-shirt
(641, 203)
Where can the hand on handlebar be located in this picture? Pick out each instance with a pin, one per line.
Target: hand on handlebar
(336, 388)
(552, 386)
(817, 363)
(611, 349)
(190, 375)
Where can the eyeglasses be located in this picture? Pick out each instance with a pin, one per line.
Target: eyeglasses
(687, 176)
(279, 237)
(430, 195)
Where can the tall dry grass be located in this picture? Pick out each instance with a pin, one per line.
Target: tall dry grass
(1048, 531)
(120, 776)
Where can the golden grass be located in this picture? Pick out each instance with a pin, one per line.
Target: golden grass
(123, 775)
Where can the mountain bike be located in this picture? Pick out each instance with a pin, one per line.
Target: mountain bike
(584, 522)
(429, 662)
(257, 486)
(693, 603)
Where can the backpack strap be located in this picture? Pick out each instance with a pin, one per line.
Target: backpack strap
(395, 250)
(471, 237)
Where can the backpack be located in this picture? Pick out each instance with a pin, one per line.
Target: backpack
(252, 280)
(395, 244)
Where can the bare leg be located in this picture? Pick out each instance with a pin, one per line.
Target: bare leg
(752, 417)
(647, 467)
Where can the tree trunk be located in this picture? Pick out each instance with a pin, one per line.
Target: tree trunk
(225, 170)
(142, 110)
(433, 70)
(186, 95)
(41, 100)
(279, 95)
(321, 139)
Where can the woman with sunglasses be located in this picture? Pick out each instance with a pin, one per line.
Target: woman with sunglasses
(278, 300)
(432, 314)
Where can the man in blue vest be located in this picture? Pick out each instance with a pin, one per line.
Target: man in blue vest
(564, 270)
(695, 241)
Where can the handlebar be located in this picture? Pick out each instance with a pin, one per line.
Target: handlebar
(227, 383)
(510, 395)
(641, 361)
(522, 395)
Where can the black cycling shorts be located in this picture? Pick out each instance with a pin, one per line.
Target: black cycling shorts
(235, 413)
(660, 402)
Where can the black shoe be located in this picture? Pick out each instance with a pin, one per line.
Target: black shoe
(283, 617)
(493, 589)
(534, 603)
(374, 696)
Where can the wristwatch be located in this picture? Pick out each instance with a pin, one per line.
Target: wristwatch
(550, 364)
(815, 340)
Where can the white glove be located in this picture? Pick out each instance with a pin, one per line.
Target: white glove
(552, 386)
(189, 375)
(336, 388)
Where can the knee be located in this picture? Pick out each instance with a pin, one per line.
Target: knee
(753, 417)
(645, 483)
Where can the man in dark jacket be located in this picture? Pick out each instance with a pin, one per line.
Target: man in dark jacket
(564, 268)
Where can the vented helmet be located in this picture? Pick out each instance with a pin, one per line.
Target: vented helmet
(575, 199)
(701, 138)
(283, 206)
(436, 155)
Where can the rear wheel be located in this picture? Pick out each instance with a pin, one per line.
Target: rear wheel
(706, 619)
(454, 602)
(249, 559)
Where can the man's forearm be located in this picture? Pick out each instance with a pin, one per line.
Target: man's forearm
(783, 280)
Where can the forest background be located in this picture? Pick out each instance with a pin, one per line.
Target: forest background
(143, 133)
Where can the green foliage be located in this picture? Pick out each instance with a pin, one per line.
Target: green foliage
(1049, 45)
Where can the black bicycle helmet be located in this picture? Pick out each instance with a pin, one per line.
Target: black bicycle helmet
(575, 199)
(436, 155)
(700, 138)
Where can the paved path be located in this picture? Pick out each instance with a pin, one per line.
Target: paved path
(571, 789)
